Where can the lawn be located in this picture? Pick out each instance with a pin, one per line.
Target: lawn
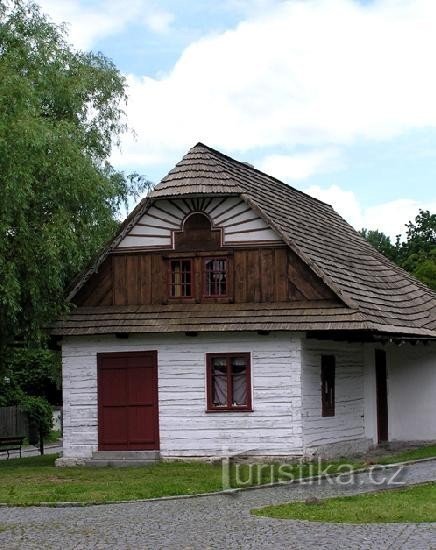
(428, 451)
(34, 480)
(412, 505)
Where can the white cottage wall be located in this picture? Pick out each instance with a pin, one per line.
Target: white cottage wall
(343, 433)
(370, 394)
(412, 392)
(186, 430)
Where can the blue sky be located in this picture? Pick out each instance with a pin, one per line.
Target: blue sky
(335, 97)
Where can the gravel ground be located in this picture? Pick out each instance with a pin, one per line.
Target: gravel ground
(213, 522)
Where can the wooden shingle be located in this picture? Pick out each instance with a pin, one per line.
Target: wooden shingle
(375, 293)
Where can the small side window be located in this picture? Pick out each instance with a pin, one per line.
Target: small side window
(328, 368)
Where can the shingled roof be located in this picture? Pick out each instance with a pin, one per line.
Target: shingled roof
(386, 298)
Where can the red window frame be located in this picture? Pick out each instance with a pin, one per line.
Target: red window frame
(206, 271)
(211, 407)
(172, 285)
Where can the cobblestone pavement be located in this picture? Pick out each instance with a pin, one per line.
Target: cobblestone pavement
(213, 522)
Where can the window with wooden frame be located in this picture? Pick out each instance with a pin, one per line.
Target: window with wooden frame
(228, 382)
(215, 277)
(328, 372)
(181, 278)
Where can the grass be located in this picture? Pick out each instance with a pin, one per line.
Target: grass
(33, 480)
(428, 451)
(412, 505)
(53, 437)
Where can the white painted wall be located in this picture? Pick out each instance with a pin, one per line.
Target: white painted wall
(345, 431)
(370, 391)
(273, 428)
(412, 392)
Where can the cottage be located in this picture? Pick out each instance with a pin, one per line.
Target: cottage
(234, 314)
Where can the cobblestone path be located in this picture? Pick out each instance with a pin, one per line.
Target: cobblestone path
(213, 522)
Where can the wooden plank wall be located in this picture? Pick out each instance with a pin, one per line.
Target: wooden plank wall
(348, 423)
(259, 275)
(13, 422)
(273, 428)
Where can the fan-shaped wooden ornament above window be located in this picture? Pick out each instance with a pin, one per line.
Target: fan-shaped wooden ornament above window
(197, 234)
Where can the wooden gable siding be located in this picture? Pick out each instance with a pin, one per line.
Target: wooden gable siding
(98, 290)
(263, 275)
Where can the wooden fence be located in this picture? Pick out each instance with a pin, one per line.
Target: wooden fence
(13, 421)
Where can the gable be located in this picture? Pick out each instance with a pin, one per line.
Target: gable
(255, 275)
(238, 224)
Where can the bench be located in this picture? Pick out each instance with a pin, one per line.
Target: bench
(11, 443)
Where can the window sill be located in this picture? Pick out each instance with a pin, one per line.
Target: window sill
(249, 410)
(216, 299)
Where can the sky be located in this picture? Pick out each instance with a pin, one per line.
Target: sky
(335, 97)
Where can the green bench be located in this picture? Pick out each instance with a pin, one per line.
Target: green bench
(11, 443)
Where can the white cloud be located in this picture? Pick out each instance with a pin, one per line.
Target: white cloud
(301, 166)
(90, 23)
(389, 217)
(250, 6)
(159, 22)
(318, 72)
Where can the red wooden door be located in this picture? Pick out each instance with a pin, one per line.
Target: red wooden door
(128, 417)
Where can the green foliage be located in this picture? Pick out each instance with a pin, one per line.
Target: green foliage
(425, 271)
(381, 242)
(61, 112)
(417, 253)
(29, 371)
(39, 413)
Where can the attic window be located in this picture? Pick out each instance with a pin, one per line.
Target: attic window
(215, 277)
(181, 278)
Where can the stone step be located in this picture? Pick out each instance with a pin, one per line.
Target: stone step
(123, 458)
(118, 463)
(126, 455)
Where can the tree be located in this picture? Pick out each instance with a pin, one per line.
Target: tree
(381, 242)
(417, 253)
(60, 116)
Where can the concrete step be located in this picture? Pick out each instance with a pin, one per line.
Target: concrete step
(123, 458)
(118, 463)
(126, 455)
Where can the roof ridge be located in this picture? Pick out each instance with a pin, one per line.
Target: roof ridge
(245, 165)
